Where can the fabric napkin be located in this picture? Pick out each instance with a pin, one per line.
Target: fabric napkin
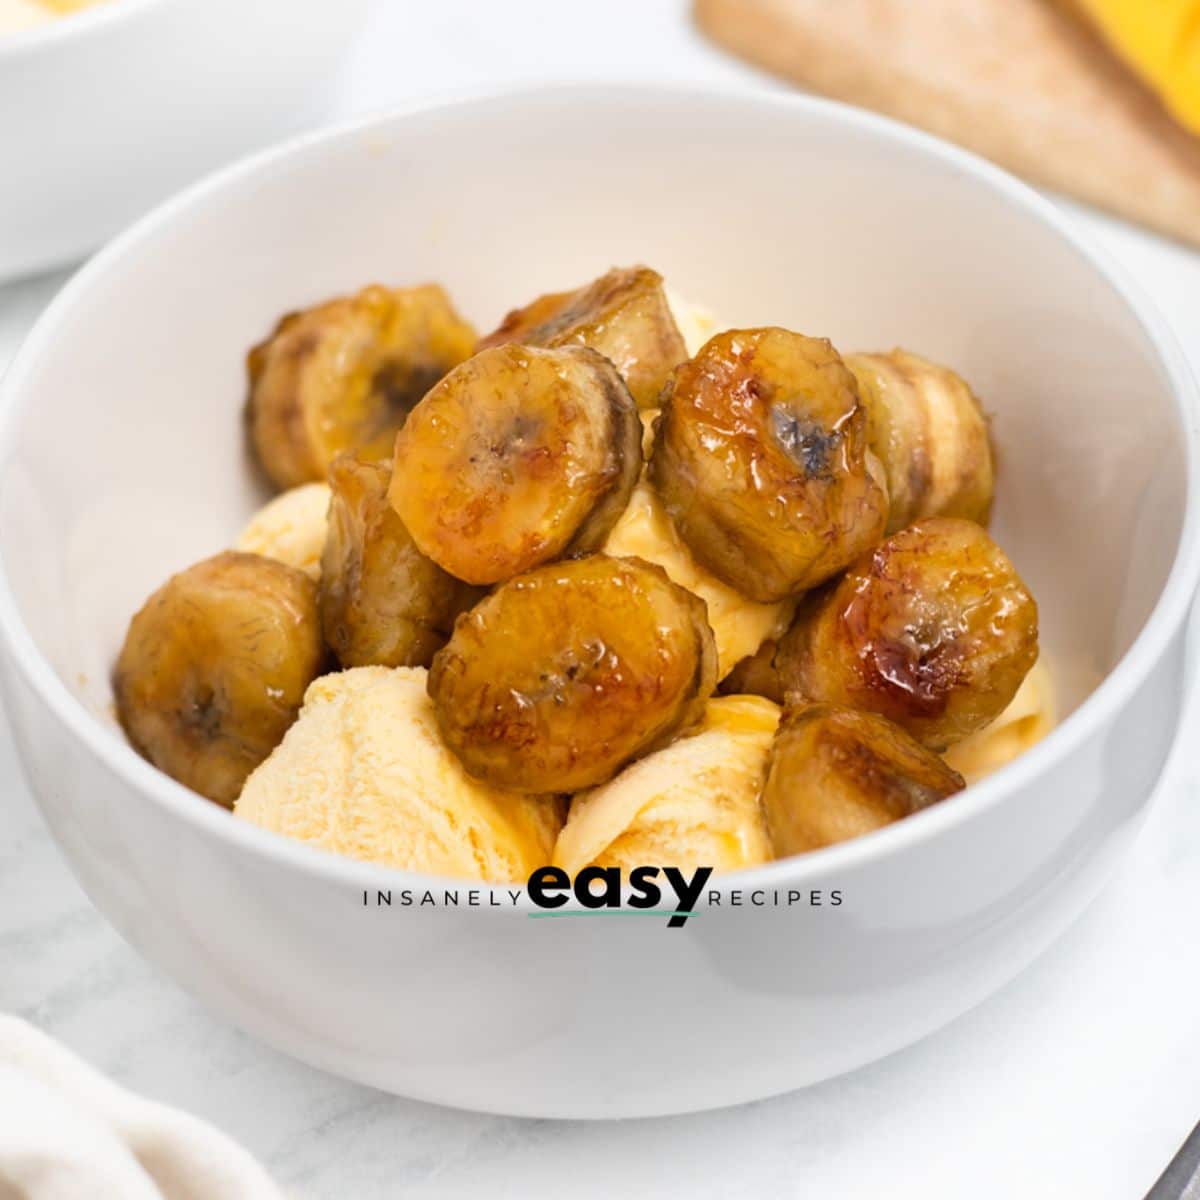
(68, 1133)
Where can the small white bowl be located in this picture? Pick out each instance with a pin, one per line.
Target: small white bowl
(122, 460)
(106, 112)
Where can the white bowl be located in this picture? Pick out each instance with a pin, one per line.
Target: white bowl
(106, 112)
(122, 459)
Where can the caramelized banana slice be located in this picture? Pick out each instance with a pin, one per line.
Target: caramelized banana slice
(834, 774)
(214, 667)
(517, 457)
(624, 315)
(929, 431)
(344, 374)
(761, 460)
(382, 601)
(934, 630)
(562, 675)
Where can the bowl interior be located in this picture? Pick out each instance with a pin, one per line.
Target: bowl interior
(125, 460)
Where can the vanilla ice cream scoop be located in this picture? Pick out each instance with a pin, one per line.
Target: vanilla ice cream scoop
(694, 803)
(1027, 719)
(290, 528)
(739, 625)
(363, 772)
(694, 322)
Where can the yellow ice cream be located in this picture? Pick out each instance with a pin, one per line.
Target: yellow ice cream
(1027, 719)
(739, 625)
(363, 772)
(695, 324)
(291, 528)
(694, 803)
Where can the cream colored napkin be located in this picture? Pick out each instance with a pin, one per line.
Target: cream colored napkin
(67, 1133)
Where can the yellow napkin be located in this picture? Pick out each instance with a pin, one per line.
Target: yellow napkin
(1160, 40)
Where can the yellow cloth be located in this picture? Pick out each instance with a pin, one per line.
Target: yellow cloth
(1160, 40)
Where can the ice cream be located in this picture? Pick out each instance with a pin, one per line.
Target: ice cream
(693, 803)
(364, 772)
(695, 324)
(1028, 718)
(290, 528)
(739, 625)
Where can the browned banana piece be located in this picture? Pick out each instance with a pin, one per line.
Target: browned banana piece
(761, 460)
(624, 315)
(343, 375)
(214, 668)
(933, 629)
(834, 774)
(382, 601)
(931, 434)
(519, 456)
(564, 674)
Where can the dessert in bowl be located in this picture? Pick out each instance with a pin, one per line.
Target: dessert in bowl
(570, 533)
(835, 224)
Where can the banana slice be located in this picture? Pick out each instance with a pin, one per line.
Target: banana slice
(214, 667)
(290, 528)
(625, 315)
(344, 374)
(930, 432)
(762, 463)
(836, 774)
(382, 601)
(517, 457)
(694, 803)
(561, 676)
(934, 630)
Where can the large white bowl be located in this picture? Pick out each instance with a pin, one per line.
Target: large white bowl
(106, 112)
(122, 459)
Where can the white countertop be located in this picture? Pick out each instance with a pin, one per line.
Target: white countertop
(1078, 1080)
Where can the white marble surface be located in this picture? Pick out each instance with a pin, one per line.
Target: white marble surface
(1079, 1080)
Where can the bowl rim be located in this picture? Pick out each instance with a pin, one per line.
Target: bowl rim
(72, 26)
(1166, 617)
